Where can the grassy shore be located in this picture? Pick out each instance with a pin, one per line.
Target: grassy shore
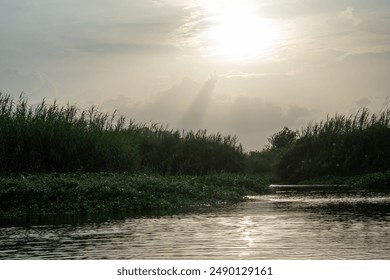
(83, 161)
(80, 193)
(370, 181)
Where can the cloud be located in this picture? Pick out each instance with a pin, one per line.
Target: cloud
(363, 102)
(35, 85)
(349, 16)
(74, 30)
(247, 75)
(167, 106)
(133, 55)
(254, 119)
(332, 26)
(194, 105)
(251, 114)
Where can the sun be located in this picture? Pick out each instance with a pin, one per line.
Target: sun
(238, 33)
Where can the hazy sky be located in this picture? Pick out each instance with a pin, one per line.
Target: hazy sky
(243, 67)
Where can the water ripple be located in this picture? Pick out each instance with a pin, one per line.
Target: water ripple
(278, 226)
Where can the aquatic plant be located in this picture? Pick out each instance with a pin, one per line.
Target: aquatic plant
(53, 193)
(378, 180)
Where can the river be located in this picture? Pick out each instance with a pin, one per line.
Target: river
(292, 223)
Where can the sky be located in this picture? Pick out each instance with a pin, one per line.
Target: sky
(238, 67)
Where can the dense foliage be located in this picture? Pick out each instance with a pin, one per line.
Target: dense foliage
(265, 162)
(54, 193)
(47, 138)
(49, 156)
(53, 138)
(341, 146)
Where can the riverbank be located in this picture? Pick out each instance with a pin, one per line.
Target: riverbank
(80, 193)
(370, 181)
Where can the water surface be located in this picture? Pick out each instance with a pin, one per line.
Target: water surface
(310, 223)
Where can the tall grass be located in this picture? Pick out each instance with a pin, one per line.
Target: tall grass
(50, 137)
(340, 145)
(189, 152)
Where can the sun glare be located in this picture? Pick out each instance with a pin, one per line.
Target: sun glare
(238, 33)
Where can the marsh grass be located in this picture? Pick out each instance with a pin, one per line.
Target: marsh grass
(54, 138)
(339, 146)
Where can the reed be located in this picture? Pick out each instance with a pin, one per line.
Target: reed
(50, 137)
(341, 146)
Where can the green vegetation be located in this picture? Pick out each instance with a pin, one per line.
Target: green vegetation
(57, 159)
(339, 146)
(378, 180)
(371, 181)
(265, 162)
(53, 138)
(49, 156)
(54, 193)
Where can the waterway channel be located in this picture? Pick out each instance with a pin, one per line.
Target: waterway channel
(292, 223)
